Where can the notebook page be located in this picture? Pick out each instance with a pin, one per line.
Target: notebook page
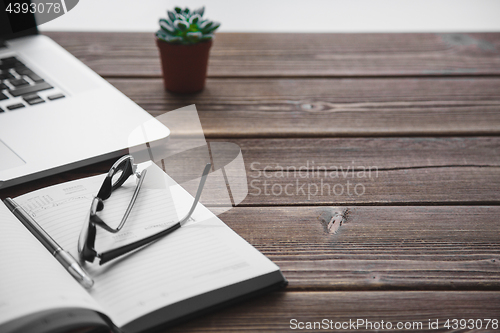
(201, 256)
(32, 279)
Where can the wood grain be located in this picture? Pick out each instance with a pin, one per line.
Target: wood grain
(430, 186)
(281, 54)
(389, 171)
(377, 248)
(385, 153)
(272, 313)
(332, 107)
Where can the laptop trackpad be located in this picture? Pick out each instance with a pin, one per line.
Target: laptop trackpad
(8, 158)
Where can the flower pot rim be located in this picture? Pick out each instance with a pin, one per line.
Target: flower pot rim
(158, 40)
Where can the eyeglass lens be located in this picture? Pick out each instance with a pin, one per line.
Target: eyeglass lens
(121, 173)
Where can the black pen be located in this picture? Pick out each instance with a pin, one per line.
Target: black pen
(66, 259)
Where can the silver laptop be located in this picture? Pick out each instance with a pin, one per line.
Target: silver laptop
(55, 113)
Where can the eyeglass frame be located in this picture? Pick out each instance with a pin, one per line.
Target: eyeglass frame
(86, 240)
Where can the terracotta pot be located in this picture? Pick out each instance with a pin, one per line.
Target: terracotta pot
(184, 67)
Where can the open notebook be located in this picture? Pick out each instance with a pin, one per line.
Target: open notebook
(196, 268)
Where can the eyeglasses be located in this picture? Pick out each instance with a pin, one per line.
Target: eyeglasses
(117, 175)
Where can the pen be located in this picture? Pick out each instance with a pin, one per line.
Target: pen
(66, 259)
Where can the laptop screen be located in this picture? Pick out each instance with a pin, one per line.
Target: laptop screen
(13, 25)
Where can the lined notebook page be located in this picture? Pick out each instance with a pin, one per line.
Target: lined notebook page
(201, 256)
(32, 279)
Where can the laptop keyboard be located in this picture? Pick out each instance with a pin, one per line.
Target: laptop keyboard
(20, 86)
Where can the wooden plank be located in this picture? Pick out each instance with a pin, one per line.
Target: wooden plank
(423, 186)
(390, 171)
(377, 248)
(282, 55)
(396, 171)
(385, 153)
(332, 107)
(273, 313)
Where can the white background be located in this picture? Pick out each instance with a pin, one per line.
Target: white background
(291, 15)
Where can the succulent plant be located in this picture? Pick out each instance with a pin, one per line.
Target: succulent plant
(183, 26)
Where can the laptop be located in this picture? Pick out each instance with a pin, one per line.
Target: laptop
(56, 114)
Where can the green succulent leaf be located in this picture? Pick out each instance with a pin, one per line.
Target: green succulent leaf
(194, 19)
(178, 10)
(166, 37)
(161, 34)
(205, 25)
(212, 28)
(194, 36)
(165, 25)
(181, 17)
(174, 39)
(171, 15)
(181, 25)
(169, 21)
(207, 37)
(186, 10)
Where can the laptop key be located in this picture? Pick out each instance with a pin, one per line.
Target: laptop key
(18, 82)
(1, 110)
(2, 96)
(5, 75)
(30, 89)
(22, 70)
(9, 60)
(3, 86)
(15, 106)
(57, 96)
(7, 63)
(35, 101)
(34, 77)
(30, 97)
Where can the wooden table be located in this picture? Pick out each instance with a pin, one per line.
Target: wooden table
(421, 111)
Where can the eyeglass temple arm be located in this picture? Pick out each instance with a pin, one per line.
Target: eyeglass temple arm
(198, 193)
(132, 201)
(115, 253)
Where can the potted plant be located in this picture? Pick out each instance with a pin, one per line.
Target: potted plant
(184, 42)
